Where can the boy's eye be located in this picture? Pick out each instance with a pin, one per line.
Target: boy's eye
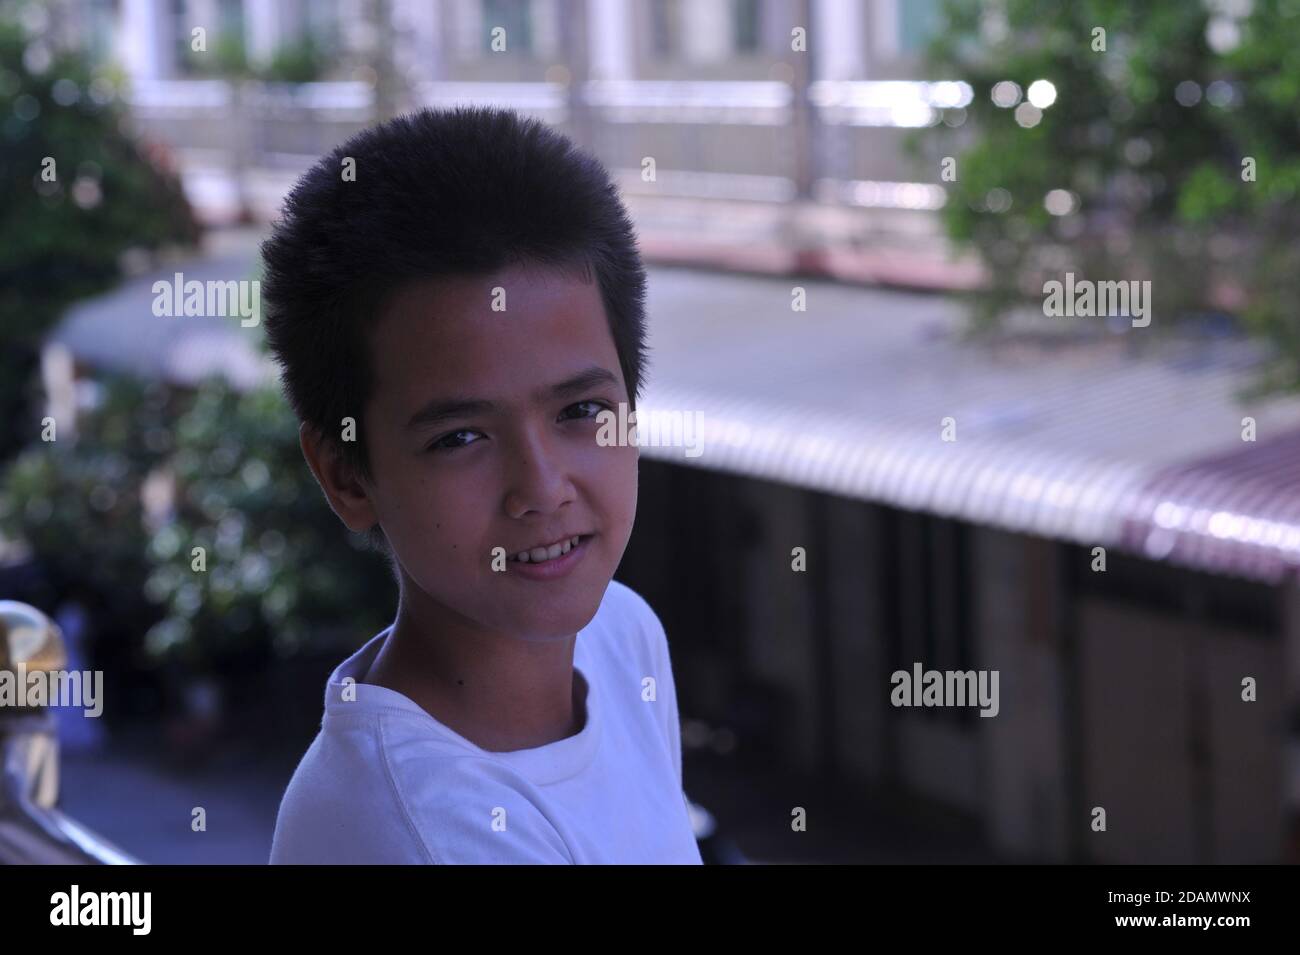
(445, 443)
(448, 443)
(598, 405)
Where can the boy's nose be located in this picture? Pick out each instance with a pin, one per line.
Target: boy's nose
(537, 481)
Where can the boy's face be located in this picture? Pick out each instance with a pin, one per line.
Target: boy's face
(529, 471)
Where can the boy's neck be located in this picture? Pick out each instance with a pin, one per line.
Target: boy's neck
(500, 693)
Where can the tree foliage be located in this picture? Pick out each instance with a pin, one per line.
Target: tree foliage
(1173, 140)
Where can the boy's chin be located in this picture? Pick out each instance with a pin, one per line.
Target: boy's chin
(562, 619)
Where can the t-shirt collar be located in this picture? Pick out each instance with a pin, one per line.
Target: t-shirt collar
(541, 765)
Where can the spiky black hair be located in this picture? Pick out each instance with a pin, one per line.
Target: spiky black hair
(437, 192)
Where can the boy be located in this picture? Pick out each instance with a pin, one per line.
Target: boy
(454, 298)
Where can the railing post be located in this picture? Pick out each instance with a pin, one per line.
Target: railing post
(574, 41)
(241, 149)
(804, 117)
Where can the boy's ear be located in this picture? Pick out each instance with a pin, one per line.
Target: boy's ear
(347, 497)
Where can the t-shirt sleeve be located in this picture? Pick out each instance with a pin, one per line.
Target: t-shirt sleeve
(466, 812)
(666, 688)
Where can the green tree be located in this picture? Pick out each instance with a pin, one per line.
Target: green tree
(76, 502)
(280, 571)
(76, 192)
(224, 472)
(1171, 152)
(300, 62)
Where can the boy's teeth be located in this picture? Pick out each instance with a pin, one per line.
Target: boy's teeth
(540, 554)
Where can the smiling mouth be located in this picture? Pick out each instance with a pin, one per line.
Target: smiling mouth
(540, 555)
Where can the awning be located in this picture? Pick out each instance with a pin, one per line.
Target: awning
(1236, 513)
(1065, 429)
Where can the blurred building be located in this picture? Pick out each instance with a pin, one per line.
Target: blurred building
(774, 126)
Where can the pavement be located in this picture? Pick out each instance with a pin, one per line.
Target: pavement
(134, 795)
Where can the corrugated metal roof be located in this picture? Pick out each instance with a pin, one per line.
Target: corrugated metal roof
(1066, 430)
(1237, 512)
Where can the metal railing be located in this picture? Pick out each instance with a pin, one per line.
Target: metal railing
(709, 138)
(32, 829)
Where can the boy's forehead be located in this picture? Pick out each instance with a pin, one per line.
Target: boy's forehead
(527, 288)
(516, 325)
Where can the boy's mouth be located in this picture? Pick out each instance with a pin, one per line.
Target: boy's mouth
(542, 554)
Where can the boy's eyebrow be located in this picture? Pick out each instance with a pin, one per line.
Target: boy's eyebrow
(444, 409)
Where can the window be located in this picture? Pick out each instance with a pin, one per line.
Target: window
(97, 31)
(516, 17)
(665, 28)
(918, 21)
(179, 28)
(708, 31)
(744, 26)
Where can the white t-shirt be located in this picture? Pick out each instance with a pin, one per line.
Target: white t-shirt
(384, 782)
